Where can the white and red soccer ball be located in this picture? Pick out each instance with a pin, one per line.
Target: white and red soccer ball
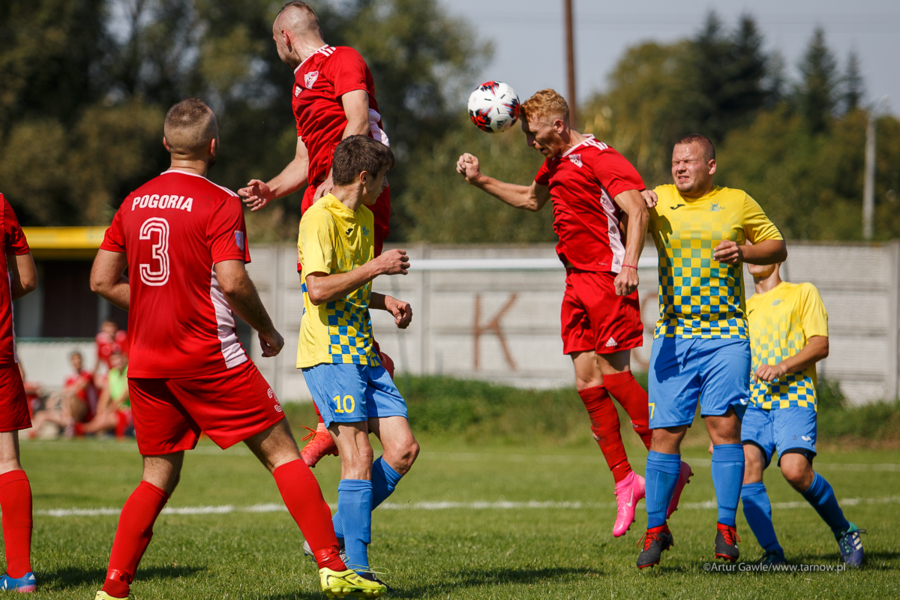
(494, 106)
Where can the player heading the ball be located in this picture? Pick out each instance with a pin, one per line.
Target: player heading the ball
(184, 241)
(595, 190)
(352, 390)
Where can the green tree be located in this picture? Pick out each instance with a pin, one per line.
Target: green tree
(443, 208)
(854, 87)
(817, 93)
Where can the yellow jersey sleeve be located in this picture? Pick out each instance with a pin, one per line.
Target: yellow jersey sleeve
(757, 226)
(813, 316)
(315, 242)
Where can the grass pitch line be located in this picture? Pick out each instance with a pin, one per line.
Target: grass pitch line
(429, 506)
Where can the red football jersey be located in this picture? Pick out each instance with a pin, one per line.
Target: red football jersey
(319, 83)
(173, 229)
(14, 242)
(583, 183)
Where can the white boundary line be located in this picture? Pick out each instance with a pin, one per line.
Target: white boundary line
(432, 506)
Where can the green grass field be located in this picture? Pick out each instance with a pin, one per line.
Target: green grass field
(471, 521)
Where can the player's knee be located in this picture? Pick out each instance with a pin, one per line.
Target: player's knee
(800, 476)
(402, 456)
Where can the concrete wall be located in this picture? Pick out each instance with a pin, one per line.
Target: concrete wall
(503, 325)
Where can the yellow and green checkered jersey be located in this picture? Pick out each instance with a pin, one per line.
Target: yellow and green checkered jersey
(700, 297)
(781, 322)
(334, 239)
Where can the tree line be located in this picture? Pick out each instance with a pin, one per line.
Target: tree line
(86, 84)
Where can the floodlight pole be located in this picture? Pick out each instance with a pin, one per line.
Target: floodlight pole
(570, 63)
(869, 182)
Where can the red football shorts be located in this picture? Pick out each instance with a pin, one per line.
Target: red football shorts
(229, 407)
(594, 318)
(13, 402)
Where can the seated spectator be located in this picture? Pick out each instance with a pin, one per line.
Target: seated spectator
(110, 339)
(113, 408)
(75, 403)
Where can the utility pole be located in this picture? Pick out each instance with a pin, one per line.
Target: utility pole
(570, 63)
(869, 182)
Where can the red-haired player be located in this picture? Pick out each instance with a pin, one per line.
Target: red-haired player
(593, 189)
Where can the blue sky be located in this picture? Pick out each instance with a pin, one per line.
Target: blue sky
(529, 50)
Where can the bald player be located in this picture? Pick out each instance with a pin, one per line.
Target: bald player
(333, 97)
(185, 242)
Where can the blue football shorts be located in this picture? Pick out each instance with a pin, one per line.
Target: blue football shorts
(349, 393)
(780, 430)
(683, 372)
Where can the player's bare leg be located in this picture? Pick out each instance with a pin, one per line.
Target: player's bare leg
(355, 491)
(727, 474)
(16, 504)
(135, 529)
(277, 451)
(589, 383)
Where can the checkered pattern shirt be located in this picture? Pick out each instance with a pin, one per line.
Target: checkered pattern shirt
(700, 297)
(781, 322)
(334, 239)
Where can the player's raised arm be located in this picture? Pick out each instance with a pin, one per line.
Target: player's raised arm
(633, 205)
(259, 193)
(244, 300)
(108, 277)
(528, 197)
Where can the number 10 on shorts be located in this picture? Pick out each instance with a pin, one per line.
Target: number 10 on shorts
(345, 405)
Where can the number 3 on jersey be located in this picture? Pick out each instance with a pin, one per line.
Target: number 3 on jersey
(345, 405)
(156, 229)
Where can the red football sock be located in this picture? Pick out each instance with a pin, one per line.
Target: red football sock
(15, 502)
(303, 497)
(605, 425)
(633, 399)
(133, 536)
(318, 414)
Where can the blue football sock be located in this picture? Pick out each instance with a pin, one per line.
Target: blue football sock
(758, 511)
(727, 475)
(355, 506)
(384, 481)
(661, 477)
(821, 496)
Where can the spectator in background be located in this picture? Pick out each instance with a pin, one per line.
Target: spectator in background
(109, 339)
(113, 407)
(75, 403)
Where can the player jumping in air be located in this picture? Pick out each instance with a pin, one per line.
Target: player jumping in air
(18, 277)
(184, 242)
(333, 98)
(591, 186)
(788, 336)
(701, 348)
(353, 391)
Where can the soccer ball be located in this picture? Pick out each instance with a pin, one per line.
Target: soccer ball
(494, 106)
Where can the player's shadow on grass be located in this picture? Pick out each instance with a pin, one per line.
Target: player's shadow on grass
(62, 579)
(873, 557)
(453, 580)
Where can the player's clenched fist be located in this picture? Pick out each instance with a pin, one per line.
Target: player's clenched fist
(401, 310)
(626, 281)
(393, 262)
(769, 373)
(271, 342)
(469, 167)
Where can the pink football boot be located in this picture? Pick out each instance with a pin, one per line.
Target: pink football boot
(684, 476)
(628, 492)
